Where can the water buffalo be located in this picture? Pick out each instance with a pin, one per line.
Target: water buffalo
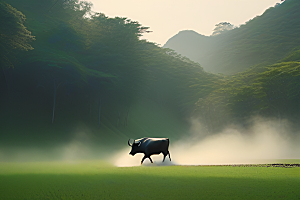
(150, 146)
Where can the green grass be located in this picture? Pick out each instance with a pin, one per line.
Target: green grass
(99, 180)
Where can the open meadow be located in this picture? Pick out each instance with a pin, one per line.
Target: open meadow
(101, 180)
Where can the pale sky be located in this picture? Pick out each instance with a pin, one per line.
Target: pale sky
(167, 17)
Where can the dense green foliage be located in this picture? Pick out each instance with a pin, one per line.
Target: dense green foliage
(270, 91)
(263, 40)
(94, 71)
(96, 180)
(13, 34)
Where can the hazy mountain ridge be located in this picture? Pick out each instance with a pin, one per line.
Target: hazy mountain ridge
(263, 40)
(189, 43)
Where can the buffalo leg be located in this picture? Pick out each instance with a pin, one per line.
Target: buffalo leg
(169, 155)
(150, 159)
(164, 157)
(143, 159)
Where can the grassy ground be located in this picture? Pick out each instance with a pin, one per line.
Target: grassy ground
(99, 180)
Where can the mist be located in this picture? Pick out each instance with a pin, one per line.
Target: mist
(82, 145)
(265, 141)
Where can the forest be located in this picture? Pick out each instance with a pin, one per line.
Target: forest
(66, 70)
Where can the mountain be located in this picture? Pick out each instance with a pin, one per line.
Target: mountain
(189, 43)
(264, 40)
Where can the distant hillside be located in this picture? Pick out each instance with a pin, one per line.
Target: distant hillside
(189, 43)
(263, 40)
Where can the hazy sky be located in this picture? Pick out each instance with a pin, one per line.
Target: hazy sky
(167, 17)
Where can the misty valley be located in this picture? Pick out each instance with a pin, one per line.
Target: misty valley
(85, 102)
(76, 84)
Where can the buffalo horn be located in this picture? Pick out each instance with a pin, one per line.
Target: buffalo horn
(129, 143)
(140, 143)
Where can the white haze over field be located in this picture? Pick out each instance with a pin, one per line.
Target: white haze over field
(265, 142)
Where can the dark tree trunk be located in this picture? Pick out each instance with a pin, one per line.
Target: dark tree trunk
(99, 116)
(5, 79)
(54, 100)
(53, 5)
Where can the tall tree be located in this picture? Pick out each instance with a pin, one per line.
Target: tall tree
(222, 27)
(13, 33)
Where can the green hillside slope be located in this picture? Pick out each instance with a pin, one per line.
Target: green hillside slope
(263, 40)
(271, 91)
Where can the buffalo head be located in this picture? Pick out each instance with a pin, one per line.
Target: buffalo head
(135, 147)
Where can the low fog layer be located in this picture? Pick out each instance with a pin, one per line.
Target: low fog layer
(80, 147)
(264, 142)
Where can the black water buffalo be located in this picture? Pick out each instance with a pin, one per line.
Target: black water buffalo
(150, 146)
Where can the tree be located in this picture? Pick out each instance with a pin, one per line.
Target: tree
(222, 27)
(76, 5)
(13, 33)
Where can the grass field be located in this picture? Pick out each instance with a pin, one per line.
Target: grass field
(100, 180)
